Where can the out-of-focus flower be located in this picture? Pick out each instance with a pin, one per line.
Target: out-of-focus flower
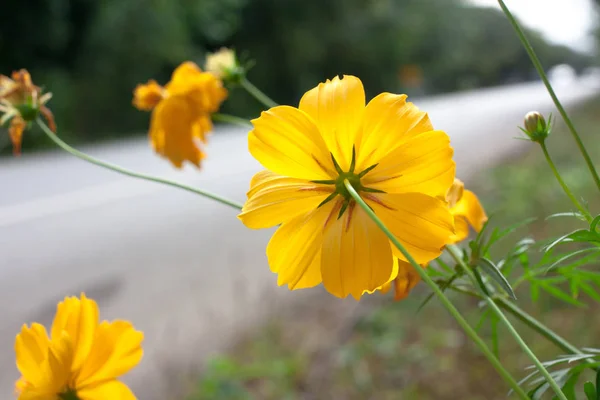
(406, 280)
(22, 102)
(81, 360)
(225, 65)
(389, 153)
(535, 127)
(466, 209)
(181, 112)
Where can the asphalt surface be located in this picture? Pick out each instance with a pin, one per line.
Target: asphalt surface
(181, 267)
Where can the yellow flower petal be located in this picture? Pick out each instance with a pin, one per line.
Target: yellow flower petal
(172, 131)
(467, 211)
(389, 120)
(461, 229)
(78, 318)
(117, 349)
(356, 255)
(147, 96)
(423, 224)
(60, 360)
(280, 199)
(15, 131)
(31, 348)
(337, 107)
(203, 89)
(294, 251)
(113, 390)
(422, 164)
(455, 193)
(406, 280)
(286, 141)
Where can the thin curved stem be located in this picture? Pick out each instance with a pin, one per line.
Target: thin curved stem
(540, 69)
(564, 186)
(231, 119)
(133, 174)
(452, 250)
(537, 326)
(257, 93)
(441, 296)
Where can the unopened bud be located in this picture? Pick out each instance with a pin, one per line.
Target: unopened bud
(535, 127)
(224, 64)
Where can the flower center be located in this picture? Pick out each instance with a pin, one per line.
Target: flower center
(68, 394)
(340, 187)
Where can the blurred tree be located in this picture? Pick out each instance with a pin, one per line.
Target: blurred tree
(92, 53)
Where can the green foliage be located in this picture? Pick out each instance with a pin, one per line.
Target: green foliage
(91, 54)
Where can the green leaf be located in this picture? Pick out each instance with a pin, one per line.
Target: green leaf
(569, 386)
(495, 341)
(590, 391)
(559, 294)
(578, 215)
(590, 291)
(598, 384)
(594, 223)
(535, 292)
(584, 236)
(495, 274)
(569, 255)
(580, 235)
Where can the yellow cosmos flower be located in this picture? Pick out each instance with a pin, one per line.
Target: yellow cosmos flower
(466, 209)
(181, 112)
(21, 102)
(406, 280)
(390, 154)
(82, 358)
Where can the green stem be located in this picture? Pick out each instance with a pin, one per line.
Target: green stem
(452, 250)
(231, 119)
(257, 93)
(562, 183)
(133, 174)
(536, 325)
(540, 69)
(438, 292)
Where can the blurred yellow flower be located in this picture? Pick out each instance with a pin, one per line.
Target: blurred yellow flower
(406, 280)
(466, 209)
(181, 112)
(222, 63)
(21, 102)
(82, 358)
(390, 154)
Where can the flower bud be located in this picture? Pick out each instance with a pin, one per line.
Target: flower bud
(535, 127)
(224, 65)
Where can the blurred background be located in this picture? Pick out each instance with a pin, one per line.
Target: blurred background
(415, 46)
(185, 271)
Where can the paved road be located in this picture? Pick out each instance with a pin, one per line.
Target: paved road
(184, 269)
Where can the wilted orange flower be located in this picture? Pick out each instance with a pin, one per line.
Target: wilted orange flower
(390, 154)
(406, 280)
(21, 102)
(81, 360)
(466, 209)
(181, 112)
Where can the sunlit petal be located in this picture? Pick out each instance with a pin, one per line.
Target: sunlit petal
(389, 120)
(337, 107)
(294, 251)
(423, 224)
(356, 257)
(275, 199)
(286, 141)
(421, 164)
